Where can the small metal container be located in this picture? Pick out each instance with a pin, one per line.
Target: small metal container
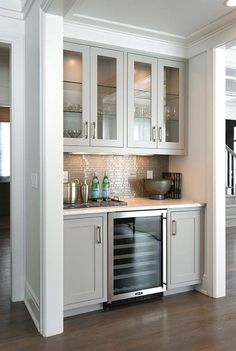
(70, 192)
(84, 192)
(157, 189)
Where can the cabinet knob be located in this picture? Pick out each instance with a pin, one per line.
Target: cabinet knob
(99, 234)
(173, 227)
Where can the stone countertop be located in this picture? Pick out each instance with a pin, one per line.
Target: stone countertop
(136, 204)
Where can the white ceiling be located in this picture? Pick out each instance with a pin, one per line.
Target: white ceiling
(178, 17)
(14, 5)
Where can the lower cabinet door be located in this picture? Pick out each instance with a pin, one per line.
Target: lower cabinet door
(84, 260)
(184, 249)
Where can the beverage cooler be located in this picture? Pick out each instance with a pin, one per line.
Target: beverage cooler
(136, 254)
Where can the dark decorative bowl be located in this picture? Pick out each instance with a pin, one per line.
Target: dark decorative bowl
(156, 189)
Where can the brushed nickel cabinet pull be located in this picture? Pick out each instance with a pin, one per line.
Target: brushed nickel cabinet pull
(94, 130)
(160, 134)
(173, 227)
(86, 130)
(99, 234)
(154, 133)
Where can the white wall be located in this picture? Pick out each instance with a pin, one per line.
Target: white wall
(44, 165)
(33, 225)
(52, 174)
(204, 167)
(194, 166)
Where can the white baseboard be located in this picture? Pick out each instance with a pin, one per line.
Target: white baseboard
(81, 310)
(32, 303)
(179, 290)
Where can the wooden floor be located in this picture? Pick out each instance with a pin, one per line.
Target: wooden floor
(186, 322)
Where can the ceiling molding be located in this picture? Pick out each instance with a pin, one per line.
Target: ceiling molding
(119, 38)
(27, 6)
(124, 27)
(45, 4)
(11, 14)
(223, 36)
(57, 7)
(212, 27)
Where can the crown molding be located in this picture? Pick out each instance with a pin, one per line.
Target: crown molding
(11, 14)
(124, 39)
(124, 27)
(57, 7)
(27, 6)
(211, 28)
(222, 36)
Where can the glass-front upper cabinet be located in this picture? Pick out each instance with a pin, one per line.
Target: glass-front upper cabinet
(171, 108)
(142, 101)
(107, 90)
(76, 94)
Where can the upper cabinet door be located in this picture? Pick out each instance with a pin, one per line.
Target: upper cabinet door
(142, 101)
(107, 91)
(171, 107)
(76, 94)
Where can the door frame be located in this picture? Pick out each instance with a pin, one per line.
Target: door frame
(12, 35)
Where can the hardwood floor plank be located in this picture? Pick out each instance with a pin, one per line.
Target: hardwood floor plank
(184, 322)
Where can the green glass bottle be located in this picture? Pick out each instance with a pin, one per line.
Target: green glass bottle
(95, 188)
(105, 188)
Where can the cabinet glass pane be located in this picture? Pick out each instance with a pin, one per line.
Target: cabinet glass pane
(73, 94)
(137, 253)
(171, 104)
(142, 101)
(106, 98)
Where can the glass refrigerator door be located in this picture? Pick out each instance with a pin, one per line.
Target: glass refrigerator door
(137, 254)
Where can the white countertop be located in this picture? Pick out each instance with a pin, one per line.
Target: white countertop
(138, 203)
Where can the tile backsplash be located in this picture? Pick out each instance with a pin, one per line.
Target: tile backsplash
(126, 173)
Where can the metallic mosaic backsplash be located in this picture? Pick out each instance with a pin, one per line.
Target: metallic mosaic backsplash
(126, 173)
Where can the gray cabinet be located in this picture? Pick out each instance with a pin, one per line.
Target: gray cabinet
(85, 260)
(183, 243)
(93, 97)
(142, 101)
(171, 105)
(116, 100)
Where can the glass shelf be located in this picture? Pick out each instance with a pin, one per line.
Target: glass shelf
(106, 115)
(172, 120)
(143, 117)
(142, 94)
(72, 82)
(71, 111)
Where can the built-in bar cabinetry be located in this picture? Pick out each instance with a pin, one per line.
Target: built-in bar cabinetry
(115, 101)
(86, 254)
